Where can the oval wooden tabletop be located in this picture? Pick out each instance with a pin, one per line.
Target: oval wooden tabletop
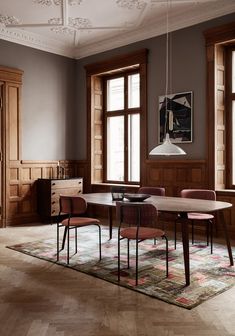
(168, 204)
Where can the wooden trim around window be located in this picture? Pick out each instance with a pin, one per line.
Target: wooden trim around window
(114, 65)
(219, 35)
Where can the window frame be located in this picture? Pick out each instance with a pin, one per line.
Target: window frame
(125, 112)
(230, 129)
(222, 36)
(115, 65)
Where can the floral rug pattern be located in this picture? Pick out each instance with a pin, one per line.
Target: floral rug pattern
(210, 274)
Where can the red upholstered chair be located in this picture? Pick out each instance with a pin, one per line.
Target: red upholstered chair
(74, 207)
(155, 191)
(137, 221)
(162, 216)
(200, 217)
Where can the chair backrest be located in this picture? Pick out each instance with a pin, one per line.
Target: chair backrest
(198, 194)
(136, 214)
(155, 191)
(73, 205)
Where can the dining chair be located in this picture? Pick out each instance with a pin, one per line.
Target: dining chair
(163, 217)
(203, 194)
(155, 191)
(74, 208)
(137, 221)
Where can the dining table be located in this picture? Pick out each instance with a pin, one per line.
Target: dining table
(176, 205)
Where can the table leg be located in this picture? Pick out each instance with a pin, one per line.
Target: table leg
(185, 241)
(222, 220)
(110, 222)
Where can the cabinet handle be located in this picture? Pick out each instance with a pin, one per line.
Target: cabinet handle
(53, 202)
(53, 193)
(53, 183)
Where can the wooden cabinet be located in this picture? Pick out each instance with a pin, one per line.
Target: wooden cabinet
(49, 191)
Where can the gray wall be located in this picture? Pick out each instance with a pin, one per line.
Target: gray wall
(48, 101)
(188, 74)
(54, 120)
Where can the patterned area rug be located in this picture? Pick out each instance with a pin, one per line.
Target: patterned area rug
(210, 274)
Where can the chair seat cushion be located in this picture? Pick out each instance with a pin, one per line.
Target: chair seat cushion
(80, 221)
(199, 216)
(144, 233)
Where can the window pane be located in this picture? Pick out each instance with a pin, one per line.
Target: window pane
(134, 91)
(134, 147)
(233, 71)
(115, 94)
(115, 148)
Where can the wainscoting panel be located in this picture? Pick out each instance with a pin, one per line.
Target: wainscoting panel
(176, 175)
(21, 202)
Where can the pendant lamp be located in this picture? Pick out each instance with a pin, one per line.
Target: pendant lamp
(167, 148)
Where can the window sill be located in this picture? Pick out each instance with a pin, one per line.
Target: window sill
(225, 192)
(116, 184)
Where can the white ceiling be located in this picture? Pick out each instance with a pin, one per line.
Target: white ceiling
(78, 28)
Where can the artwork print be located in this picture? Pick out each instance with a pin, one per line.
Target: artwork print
(175, 114)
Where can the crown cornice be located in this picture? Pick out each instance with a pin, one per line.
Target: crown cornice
(153, 29)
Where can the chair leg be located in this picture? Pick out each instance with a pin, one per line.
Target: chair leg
(128, 253)
(208, 229)
(211, 234)
(99, 241)
(118, 257)
(192, 232)
(167, 252)
(64, 237)
(68, 247)
(175, 234)
(57, 252)
(136, 262)
(76, 240)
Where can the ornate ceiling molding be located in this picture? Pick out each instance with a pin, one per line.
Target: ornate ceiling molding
(6, 20)
(35, 41)
(63, 30)
(71, 27)
(131, 4)
(57, 2)
(80, 23)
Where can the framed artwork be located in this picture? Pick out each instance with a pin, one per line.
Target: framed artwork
(175, 117)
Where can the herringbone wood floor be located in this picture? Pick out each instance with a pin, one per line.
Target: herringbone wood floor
(38, 298)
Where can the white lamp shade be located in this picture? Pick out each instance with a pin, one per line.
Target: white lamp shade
(167, 148)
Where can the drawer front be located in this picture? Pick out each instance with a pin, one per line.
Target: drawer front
(55, 196)
(57, 184)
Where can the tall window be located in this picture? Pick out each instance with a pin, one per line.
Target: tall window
(230, 115)
(122, 127)
(117, 118)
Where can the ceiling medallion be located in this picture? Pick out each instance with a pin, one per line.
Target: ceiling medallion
(57, 2)
(7, 20)
(131, 4)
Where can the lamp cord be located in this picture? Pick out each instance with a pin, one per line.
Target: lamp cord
(167, 67)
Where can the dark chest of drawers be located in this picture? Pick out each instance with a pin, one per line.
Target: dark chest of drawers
(49, 191)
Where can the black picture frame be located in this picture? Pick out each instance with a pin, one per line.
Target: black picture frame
(181, 107)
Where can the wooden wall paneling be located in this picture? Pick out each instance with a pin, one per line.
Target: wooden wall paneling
(97, 130)
(229, 214)
(220, 164)
(176, 175)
